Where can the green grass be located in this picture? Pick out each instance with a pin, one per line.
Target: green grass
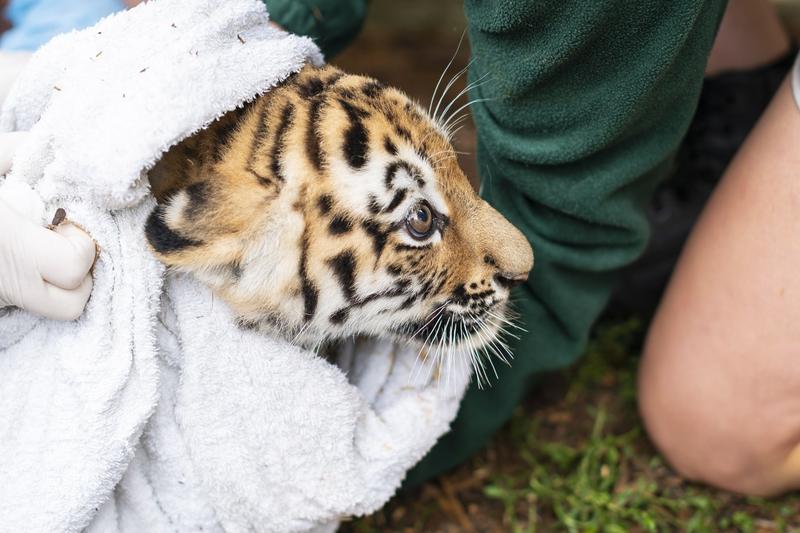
(575, 458)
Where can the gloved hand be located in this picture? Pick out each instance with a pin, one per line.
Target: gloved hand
(41, 270)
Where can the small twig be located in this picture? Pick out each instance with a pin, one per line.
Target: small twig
(468, 483)
(240, 38)
(449, 502)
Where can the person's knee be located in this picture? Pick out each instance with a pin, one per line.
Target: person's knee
(703, 436)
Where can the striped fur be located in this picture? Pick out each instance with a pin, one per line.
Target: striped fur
(294, 210)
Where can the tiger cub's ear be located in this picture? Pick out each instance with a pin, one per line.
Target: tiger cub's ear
(169, 174)
(186, 162)
(170, 234)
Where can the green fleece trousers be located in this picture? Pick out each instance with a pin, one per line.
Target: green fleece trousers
(584, 107)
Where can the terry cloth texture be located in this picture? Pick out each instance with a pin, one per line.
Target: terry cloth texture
(154, 411)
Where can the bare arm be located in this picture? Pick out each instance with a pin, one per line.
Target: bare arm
(720, 380)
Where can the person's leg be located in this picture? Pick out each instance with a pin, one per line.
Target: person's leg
(578, 112)
(719, 384)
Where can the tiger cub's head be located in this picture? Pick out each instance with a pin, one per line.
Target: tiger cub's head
(333, 206)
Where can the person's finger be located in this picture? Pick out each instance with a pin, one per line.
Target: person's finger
(64, 255)
(60, 304)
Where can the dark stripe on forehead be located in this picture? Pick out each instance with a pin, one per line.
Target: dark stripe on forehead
(224, 134)
(372, 88)
(391, 170)
(262, 126)
(257, 142)
(313, 144)
(347, 93)
(344, 268)
(398, 198)
(333, 78)
(356, 139)
(412, 112)
(278, 145)
(228, 125)
(313, 81)
(350, 102)
(310, 87)
(393, 167)
(241, 111)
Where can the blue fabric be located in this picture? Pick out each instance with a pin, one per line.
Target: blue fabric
(34, 22)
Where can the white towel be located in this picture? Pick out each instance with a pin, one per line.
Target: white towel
(154, 411)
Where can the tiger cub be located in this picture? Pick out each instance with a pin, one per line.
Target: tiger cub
(333, 206)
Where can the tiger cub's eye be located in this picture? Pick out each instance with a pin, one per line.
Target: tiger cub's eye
(419, 221)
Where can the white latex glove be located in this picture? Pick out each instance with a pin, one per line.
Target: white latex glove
(44, 271)
(11, 64)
